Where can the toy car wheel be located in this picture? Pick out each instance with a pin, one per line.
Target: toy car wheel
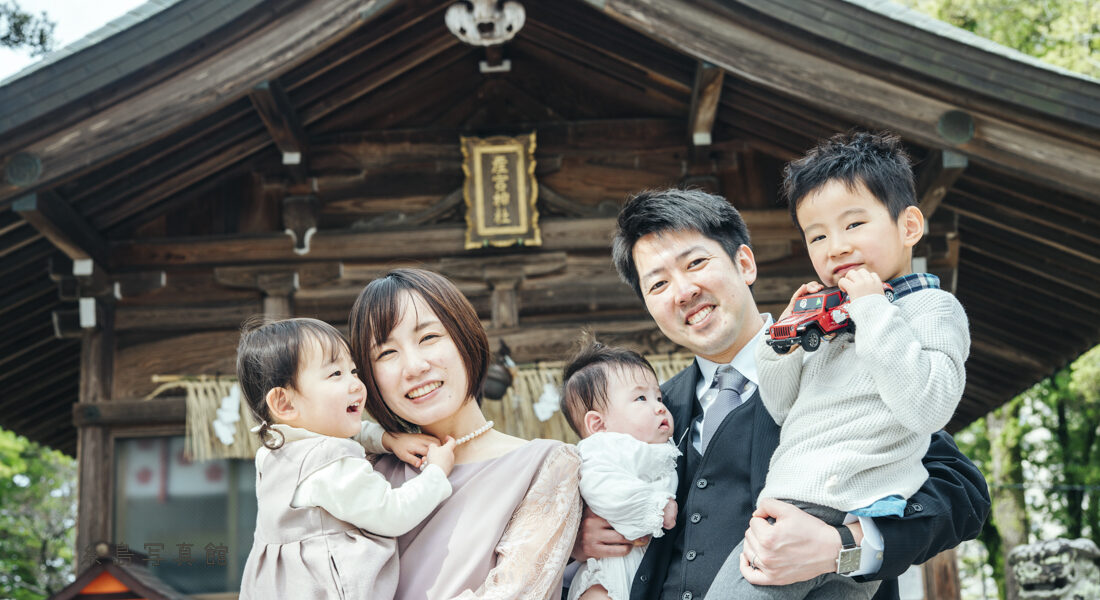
(781, 349)
(889, 295)
(811, 339)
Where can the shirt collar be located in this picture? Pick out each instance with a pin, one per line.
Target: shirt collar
(913, 282)
(744, 361)
(294, 434)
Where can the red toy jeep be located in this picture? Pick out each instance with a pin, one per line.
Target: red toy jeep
(815, 316)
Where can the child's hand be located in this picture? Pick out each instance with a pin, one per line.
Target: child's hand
(442, 456)
(860, 282)
(670, 514)
(810, 287)
(408, 447)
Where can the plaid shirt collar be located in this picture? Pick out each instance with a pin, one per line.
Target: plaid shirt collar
(913, 282)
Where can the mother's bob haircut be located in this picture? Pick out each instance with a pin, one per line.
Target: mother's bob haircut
(379, 308)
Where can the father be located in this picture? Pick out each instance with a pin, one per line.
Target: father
(687, 255)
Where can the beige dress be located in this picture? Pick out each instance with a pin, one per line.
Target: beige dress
(302, 550)
(506, 531)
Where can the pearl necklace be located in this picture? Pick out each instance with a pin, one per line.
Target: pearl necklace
(473, 434)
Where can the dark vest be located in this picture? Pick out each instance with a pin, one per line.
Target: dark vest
(716, 496)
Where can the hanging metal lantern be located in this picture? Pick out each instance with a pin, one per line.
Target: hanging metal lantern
(499, 376)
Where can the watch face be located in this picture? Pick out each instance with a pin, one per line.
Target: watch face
(848, 560)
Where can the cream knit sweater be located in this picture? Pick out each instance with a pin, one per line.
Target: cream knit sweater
(856, 415)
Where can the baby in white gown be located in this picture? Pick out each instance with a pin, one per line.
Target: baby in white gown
(612, 400)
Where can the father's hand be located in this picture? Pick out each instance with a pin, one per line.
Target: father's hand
(795, 548)
(597, 539)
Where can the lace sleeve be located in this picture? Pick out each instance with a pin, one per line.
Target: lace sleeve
(532, 553)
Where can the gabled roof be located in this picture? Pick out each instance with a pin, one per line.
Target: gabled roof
(109, 580)
(146, 129)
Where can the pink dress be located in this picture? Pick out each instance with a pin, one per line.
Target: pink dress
(506, 531)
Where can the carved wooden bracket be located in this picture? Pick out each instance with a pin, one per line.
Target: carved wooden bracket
(504, 275)
(278, 283)
(300, 220)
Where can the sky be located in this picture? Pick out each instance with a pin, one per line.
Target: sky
(74, 18)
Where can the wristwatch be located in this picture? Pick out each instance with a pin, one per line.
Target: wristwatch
(848, 559)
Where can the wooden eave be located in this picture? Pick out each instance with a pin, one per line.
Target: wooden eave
(380, 96)
(137, 579)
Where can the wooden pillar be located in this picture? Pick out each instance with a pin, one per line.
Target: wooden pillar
(95, 456)
(278, 290)
(941, 577)
(504, 301)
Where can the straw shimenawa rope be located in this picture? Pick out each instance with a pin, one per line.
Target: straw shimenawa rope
(204, 396)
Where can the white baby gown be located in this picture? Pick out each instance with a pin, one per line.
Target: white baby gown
(628, 482)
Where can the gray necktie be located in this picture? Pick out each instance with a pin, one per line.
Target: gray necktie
(728, 382)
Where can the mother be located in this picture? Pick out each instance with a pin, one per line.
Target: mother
(508, 528)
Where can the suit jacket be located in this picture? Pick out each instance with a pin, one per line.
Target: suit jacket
(949, 508)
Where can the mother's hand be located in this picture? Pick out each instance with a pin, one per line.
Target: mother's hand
(597, 539)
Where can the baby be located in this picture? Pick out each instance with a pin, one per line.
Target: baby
(612, 400)
(326, 519)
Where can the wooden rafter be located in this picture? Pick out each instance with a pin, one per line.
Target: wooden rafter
(59, 222)
(282, 122)
(704, 103)
(936, 176)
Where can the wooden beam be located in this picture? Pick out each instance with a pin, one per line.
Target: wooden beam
(200, 88)
(281, 120)
(704, 103)
(423, 242)
(170, 410)
(936, 176)
(59, 222)
(746, 50)
(185, 318)
(130, 285)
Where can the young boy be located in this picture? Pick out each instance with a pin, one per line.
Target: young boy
(628, 471)
(856, 415)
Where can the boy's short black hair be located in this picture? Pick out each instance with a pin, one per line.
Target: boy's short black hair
(660, 211)
(876, 160)
(584, 380)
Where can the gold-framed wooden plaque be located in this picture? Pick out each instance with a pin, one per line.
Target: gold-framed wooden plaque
(500, 191)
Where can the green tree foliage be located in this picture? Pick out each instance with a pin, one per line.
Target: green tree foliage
(1070, 410)
(37, 519)
(21, 29)
(1065, 33)
(1041, 456)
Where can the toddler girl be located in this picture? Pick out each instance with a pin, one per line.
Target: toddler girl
(628, 471)
(326, 519)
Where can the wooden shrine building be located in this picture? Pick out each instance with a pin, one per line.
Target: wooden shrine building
(212, 160)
